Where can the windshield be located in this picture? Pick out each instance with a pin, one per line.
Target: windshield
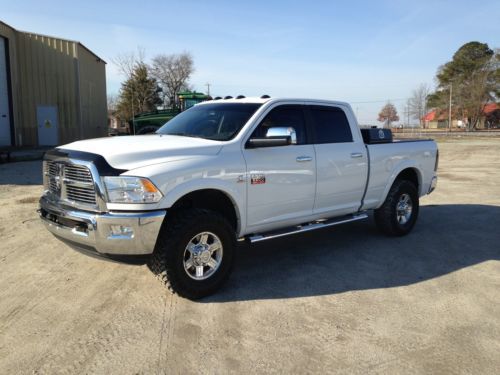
(217, 121)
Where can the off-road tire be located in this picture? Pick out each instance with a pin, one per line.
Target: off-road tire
(167, 259)
(386, 216)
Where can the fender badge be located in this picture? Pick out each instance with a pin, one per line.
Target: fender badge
(257, 179)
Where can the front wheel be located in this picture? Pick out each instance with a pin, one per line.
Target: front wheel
(194, 253)
(399, 212)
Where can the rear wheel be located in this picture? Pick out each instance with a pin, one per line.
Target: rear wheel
(194, 253)
(399, 212)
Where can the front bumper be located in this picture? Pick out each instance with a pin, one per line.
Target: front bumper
(115, 233)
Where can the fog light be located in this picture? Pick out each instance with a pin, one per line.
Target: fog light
(120, 230)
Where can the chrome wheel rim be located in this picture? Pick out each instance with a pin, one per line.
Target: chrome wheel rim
(202, 256)
(404, 209)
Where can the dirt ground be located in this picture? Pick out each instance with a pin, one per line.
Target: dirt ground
(341, 300)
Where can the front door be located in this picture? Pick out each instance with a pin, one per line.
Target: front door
(47, 125)
(4, 97)
(281, 180)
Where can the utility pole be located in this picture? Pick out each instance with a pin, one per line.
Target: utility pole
(449, 110)
(208, 88)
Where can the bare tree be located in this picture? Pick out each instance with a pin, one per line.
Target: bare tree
(483, 86)
(112, 102)
(417, 102)
(388, 114)
(172, 73)
(126, 62)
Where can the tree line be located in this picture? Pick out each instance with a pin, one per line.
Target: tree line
(471, 79)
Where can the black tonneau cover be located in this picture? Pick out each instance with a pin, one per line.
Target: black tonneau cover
(375, 135)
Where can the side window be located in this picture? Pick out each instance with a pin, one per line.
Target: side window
(284, 116)
(330, 125)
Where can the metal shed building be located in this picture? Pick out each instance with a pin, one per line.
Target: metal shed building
(52, 90)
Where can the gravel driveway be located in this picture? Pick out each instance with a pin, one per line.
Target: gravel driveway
(341, 300)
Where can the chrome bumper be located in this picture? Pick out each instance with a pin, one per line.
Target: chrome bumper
(117, 233)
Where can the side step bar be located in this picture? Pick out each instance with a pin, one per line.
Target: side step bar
(306, 227)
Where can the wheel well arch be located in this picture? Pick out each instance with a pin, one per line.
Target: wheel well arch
(210, 199)
(412, 175)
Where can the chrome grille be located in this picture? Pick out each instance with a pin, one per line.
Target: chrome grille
(78, 173)
(80, 194)
(70, 182)
(51, 171)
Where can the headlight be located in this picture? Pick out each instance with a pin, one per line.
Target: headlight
(125, 189)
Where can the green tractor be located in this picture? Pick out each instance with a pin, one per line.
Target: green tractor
(150, 122)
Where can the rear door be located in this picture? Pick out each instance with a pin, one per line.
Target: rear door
(281, 181)
(341, 162)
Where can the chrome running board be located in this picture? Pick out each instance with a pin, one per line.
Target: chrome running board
(318, 224)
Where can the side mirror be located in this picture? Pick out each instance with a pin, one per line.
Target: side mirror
(277, 136)
(283, 131)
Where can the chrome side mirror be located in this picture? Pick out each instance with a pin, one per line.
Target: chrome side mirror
(283, 131)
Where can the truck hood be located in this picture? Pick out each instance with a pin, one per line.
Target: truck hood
(130, 152)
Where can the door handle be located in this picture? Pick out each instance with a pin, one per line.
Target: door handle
(355, 155)
(302, 159)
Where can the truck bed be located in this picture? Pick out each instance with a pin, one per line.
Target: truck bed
(395, 155)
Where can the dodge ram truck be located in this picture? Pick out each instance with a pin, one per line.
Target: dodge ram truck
(226, 170)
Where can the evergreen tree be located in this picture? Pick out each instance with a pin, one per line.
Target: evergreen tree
(138, 94)
(472, 76)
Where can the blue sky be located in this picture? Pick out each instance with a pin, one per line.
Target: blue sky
(363, 52)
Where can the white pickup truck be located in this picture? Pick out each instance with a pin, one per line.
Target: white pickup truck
(227, 170)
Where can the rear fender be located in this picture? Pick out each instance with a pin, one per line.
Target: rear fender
(405, 164)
